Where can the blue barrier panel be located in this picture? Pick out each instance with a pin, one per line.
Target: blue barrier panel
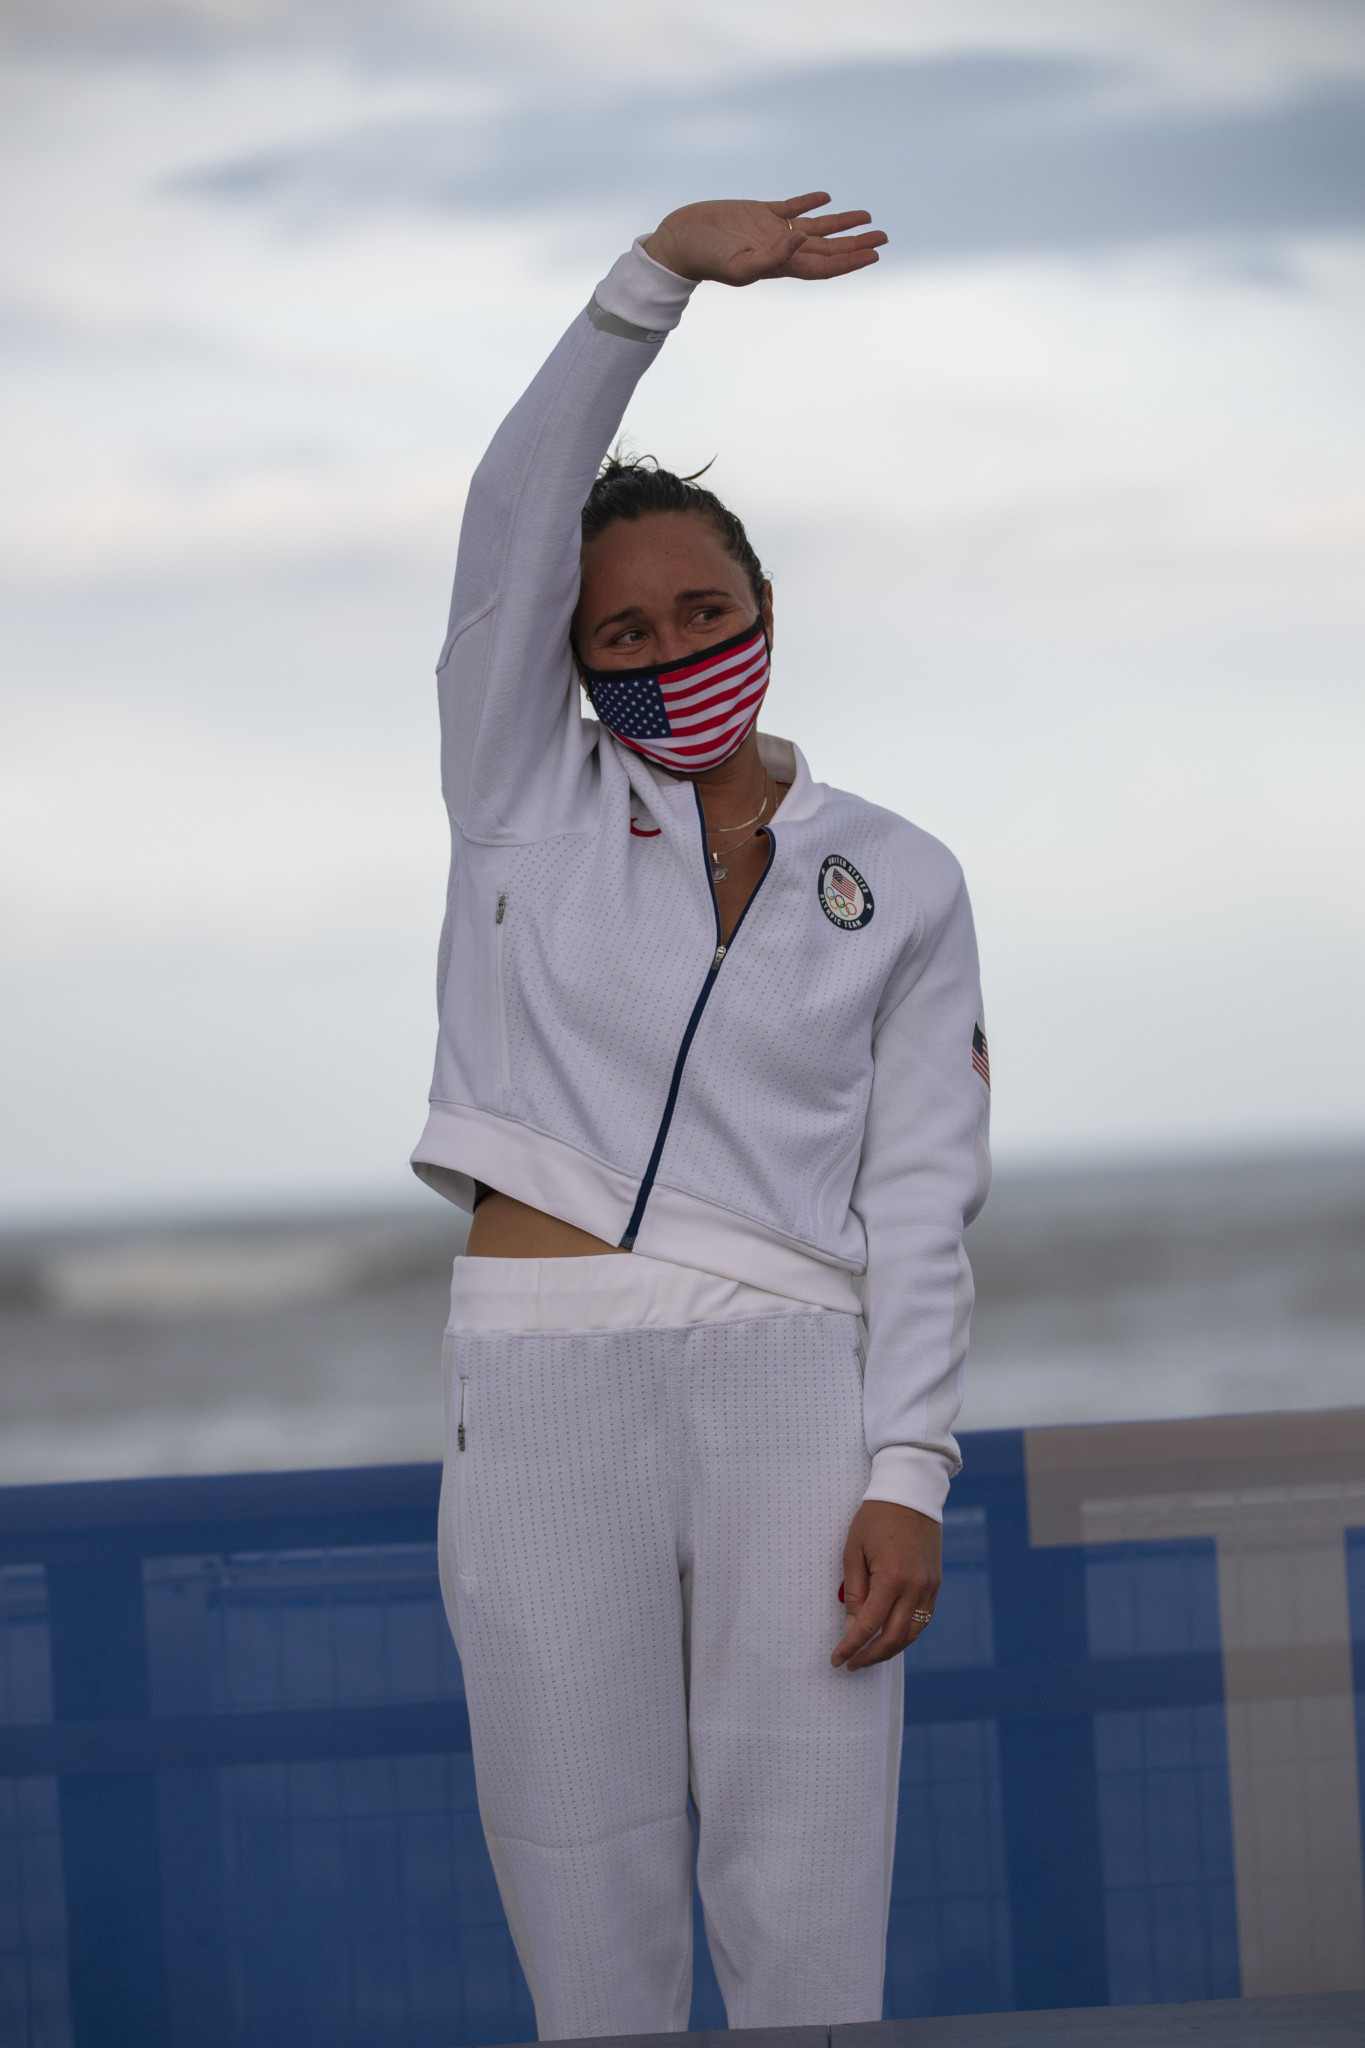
(237, 1805)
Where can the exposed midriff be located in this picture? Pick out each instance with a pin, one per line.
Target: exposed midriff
(507, 1229)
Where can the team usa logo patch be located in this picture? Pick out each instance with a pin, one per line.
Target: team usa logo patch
(981, 1058)
(844, 896)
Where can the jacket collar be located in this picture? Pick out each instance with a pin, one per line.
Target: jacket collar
(785, 762)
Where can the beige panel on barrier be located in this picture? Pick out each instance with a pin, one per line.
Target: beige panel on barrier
(1276, 1492)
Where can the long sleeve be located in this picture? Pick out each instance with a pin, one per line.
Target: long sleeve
(924, 1173)
(514, 749)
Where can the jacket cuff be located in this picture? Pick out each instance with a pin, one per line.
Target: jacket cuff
(912, 1477)
(642, 294)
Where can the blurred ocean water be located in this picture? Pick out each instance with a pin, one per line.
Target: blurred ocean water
(1103, 1294)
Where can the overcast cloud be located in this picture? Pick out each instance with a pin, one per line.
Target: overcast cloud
(975, 155)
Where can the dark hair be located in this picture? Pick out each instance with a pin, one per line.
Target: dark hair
(634, 487)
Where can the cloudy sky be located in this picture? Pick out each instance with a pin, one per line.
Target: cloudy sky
(1064, 504)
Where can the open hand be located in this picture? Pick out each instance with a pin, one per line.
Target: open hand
(739, 241)
(893, 1568)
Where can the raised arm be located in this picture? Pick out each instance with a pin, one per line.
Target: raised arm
(513, 748)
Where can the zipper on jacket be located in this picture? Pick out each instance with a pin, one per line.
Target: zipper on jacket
(504, 1054)
(722, 948)
(459, 1427)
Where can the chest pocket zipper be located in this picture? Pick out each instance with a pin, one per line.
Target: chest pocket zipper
(500, 992)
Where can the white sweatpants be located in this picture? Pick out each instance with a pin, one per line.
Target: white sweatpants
(642, 1521)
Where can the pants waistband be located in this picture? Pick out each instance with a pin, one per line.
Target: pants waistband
(614, 1291)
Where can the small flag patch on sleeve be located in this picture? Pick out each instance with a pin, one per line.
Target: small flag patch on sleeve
(981, 1058)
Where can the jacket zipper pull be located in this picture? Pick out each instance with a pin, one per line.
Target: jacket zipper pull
(459, 1427)
(502, 908)
(720, 955)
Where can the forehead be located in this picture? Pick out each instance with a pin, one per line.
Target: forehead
(663, 552)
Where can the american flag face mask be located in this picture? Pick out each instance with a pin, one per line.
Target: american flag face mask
(686, 715)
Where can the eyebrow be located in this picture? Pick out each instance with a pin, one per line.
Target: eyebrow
(633, 611)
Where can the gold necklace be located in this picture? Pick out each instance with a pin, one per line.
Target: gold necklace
(719, 871)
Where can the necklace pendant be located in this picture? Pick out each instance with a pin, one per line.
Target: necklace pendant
(719, 872)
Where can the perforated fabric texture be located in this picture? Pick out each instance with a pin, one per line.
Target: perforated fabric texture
(641, 1546)
(596, 1005)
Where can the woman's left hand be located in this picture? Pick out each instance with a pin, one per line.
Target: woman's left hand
(740, 241)
(893, 1567)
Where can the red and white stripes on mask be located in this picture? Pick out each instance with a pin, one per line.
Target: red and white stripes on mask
(691, 714)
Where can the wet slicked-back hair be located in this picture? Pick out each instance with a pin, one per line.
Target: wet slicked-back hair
(635, 487)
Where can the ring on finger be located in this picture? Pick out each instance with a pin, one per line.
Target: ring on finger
(921, 1617)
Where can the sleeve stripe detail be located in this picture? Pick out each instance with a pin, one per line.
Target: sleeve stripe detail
(611, 323)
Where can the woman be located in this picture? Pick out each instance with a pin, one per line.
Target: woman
(710, 1049)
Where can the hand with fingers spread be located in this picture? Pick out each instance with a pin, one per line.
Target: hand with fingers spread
(893, 1568)
(739, 241)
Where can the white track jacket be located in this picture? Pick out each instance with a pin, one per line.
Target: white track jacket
(793, 1109)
